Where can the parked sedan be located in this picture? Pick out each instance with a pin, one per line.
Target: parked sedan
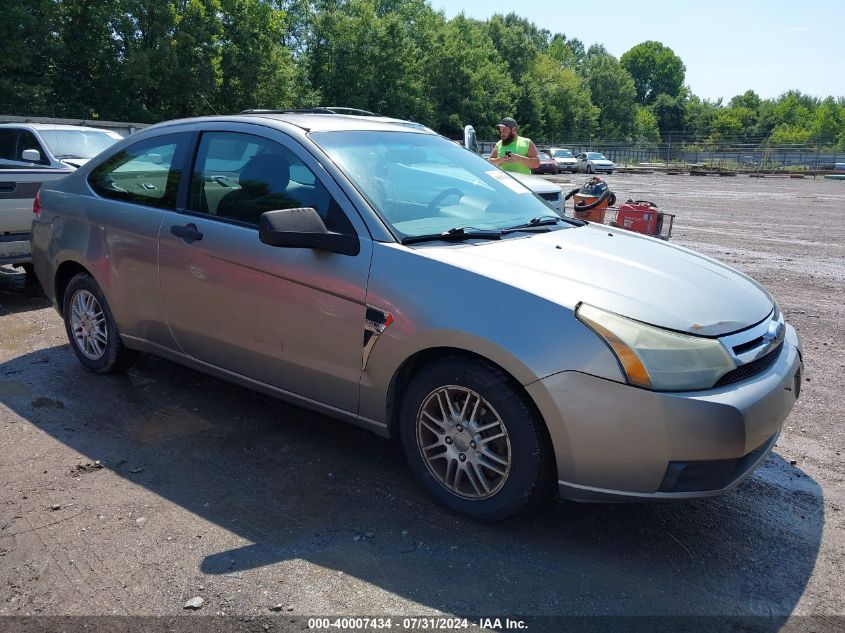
(593, 162)
(547, 165)
(372, 270)
(564, 158)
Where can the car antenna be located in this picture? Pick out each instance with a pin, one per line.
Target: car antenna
(209, 105)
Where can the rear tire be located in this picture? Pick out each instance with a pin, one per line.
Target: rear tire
(474, 440)
(91, 329)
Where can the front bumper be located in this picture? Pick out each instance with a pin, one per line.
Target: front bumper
(614, 442)
(14, 248)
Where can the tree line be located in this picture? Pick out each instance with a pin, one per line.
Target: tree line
(151, 60)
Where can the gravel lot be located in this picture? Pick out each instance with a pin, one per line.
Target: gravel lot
(130, 495)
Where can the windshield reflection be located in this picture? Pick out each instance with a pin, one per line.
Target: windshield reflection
(423, 184)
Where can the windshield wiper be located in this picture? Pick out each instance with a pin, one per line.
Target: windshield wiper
(456, 234)
(63, 156)
(543, 220)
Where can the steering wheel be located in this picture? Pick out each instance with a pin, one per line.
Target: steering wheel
(440, 197)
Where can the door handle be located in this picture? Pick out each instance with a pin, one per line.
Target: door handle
(189, 233)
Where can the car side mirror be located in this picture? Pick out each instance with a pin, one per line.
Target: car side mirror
(31, 155)
(155, 159)
(303, 228)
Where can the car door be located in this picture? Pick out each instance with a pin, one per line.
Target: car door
(291, 318)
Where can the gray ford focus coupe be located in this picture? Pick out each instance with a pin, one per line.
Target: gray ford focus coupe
(374, 271)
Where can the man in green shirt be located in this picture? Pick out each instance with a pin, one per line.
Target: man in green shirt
(514, 152)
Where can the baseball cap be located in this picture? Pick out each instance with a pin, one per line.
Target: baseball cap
(507, 122)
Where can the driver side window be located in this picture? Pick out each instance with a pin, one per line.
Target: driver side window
(238, 177)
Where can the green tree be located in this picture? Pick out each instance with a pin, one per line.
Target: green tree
(828, 123)
(469, 82)
(562, 51)
(145, 31)
(732, 123)
(669, 112)
(28, 43)
(565, 109)
(749, 99)
(87, 78)
(645, 129)
(371, 54)
(519, 42)
(193, 82)
(656, 70)
(699, 116)
(257, 69)
(613, 92)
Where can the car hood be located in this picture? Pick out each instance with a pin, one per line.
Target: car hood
(535, 183)
(565, 161)
(638, 277)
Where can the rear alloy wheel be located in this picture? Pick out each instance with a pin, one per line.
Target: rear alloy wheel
(91, 329)
(473, 439)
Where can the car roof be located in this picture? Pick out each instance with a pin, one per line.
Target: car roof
(316, 121)
(54, 126)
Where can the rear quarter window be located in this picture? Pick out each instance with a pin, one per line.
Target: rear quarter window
(147, 172)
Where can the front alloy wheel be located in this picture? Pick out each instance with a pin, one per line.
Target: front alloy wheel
(464, 443)
(474, 439)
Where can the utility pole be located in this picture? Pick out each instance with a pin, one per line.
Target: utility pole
(668, 149)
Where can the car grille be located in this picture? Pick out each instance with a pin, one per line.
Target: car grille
(750, 369)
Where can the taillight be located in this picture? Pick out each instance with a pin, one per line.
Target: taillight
(36, 204)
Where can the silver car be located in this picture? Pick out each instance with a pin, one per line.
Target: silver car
(374, 271)
(594, 163)
(49, 145)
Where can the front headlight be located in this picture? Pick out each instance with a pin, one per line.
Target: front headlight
(658, 359)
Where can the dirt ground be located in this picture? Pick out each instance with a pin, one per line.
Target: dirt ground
(131, 494)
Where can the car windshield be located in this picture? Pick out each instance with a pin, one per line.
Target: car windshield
(543, 156)
(562, 153)
(78, 143)
(595, 156)
(422, 184)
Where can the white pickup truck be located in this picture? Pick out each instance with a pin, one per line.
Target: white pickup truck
(30, 154)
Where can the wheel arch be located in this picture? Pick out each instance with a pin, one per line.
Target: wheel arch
(66, 271)
(405, 372)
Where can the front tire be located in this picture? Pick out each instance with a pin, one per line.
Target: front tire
(91, 329)
(474, 440)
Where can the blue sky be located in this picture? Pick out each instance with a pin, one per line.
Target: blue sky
(728, 47)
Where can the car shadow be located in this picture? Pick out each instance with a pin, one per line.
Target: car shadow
(298, 485)
(19, 292)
